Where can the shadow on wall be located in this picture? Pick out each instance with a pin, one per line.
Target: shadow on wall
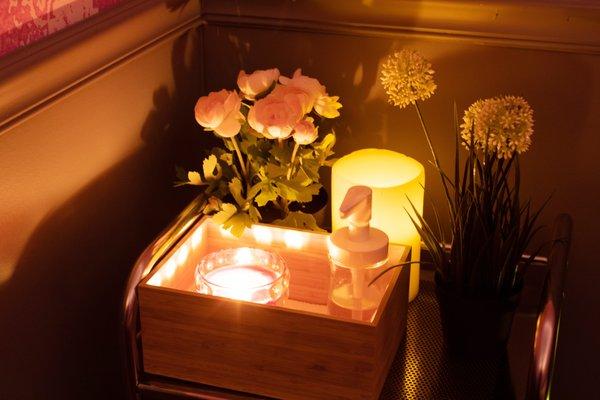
(61, 308)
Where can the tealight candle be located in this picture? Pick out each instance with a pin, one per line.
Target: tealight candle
(244, 273)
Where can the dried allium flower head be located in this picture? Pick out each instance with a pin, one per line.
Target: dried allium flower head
(407, 77)
(503, 125)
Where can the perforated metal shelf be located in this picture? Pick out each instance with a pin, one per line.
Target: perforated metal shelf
(422, 369)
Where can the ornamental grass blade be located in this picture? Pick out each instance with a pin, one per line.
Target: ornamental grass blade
(426, 234)
(435, 213)
(456, 154)
(379, 275)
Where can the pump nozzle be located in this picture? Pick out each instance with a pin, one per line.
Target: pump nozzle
(356, 208)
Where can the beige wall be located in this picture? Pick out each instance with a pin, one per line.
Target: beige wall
(87, 182)
(560, 80)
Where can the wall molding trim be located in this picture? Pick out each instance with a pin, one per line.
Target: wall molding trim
(551, 26)
(34, 77)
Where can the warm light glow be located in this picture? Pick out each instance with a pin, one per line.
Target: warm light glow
(182, 255)
(197, 238)
(169, 269)
(225, 233)
(244, 256)
(393, 177)
(156, 280)
(241, 282)
(294, 239)
(262, 234)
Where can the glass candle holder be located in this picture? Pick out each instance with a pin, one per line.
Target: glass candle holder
(244, 273)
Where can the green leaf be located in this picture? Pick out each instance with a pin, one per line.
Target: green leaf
(302, 178)
(282, 154)
(227, 211)
(227, 158)
(294, 191)
(299, 220)
(211, 168)
(267, 193)
(249, 134)
(259, 153)
(247, 138)
(235, 188)
(254, 190)
(310, 167)
(273, 171)
(254, 214)
(194, 178)
(324, 147)
(238, 223)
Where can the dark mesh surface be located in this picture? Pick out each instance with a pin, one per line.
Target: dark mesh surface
(422, 370)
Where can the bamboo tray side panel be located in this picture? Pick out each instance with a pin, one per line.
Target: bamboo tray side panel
(294, 350)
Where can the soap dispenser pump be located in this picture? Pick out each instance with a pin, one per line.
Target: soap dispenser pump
(357, 252)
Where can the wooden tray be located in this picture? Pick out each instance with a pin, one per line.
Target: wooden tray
(295, 350)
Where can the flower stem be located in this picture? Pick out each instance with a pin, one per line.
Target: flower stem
(239, 154)
(433, 153)
(289, 173)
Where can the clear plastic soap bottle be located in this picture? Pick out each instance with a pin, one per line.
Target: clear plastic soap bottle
(357, 254)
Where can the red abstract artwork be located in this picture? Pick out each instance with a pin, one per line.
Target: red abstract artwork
(26, 21)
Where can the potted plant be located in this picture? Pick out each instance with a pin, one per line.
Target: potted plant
(268, 167)
(479, 267)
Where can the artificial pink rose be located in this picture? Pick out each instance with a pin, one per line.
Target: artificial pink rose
(220, 112)
(290, 94)
(275, 116)
(310, 86)
(257, 82)
(305, 131)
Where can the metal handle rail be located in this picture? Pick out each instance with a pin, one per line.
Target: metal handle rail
(130, 340)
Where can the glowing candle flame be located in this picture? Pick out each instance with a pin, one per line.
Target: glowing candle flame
(244, 273)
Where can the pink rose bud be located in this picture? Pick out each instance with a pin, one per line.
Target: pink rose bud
(305, 131)
(220, 112)
(276, 115)
(257, 82)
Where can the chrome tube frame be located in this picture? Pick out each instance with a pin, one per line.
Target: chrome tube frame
(129, 321)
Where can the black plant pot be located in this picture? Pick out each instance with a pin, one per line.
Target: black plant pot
(474, 327)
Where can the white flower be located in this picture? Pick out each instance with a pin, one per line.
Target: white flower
(407, 77)
(503, 125)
